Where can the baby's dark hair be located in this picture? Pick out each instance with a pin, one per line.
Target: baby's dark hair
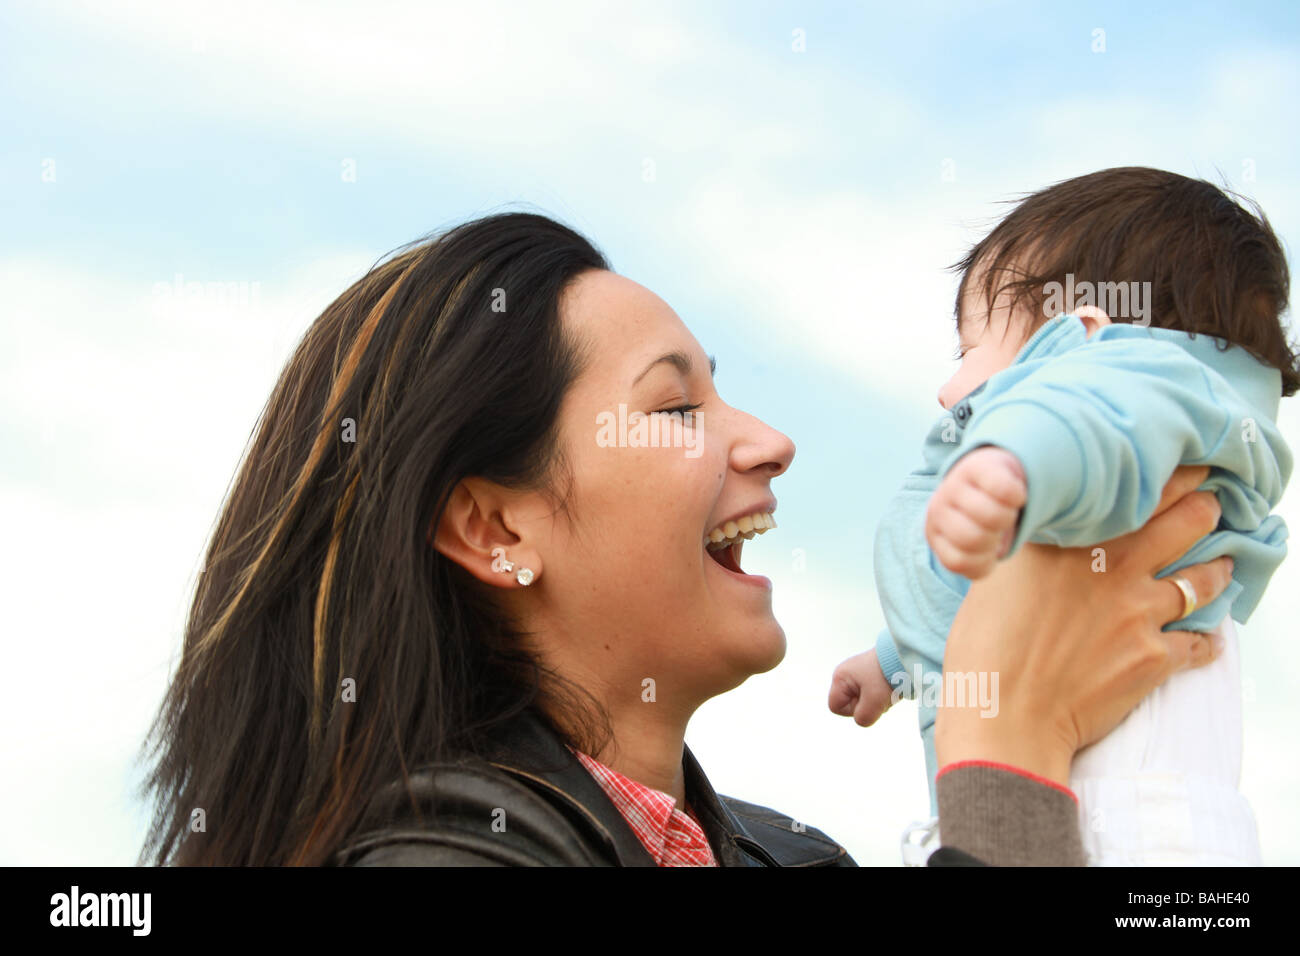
(1214, 266)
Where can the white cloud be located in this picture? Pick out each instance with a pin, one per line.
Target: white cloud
(133, 412)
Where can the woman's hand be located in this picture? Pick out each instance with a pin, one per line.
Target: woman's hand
(1074, 637)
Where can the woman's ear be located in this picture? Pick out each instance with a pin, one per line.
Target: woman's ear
(476, 532)
(1093, 318)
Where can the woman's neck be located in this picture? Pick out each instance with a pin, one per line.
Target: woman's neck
(646, 718)
(647, 747)
(646, 743)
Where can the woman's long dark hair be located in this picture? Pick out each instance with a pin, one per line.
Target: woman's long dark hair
(446, 360)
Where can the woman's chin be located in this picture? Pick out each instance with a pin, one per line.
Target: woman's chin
(762, 650)
(777, 654)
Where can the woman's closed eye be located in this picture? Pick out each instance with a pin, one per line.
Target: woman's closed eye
(683, 410)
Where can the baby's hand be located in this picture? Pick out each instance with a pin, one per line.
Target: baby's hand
(971, 520)
(859, 690)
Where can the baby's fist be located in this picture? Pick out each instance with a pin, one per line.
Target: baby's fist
(859, 690)
(971, 519)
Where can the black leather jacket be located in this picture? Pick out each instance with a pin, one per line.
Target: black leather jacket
(531, 803)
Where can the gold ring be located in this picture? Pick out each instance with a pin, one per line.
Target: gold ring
(1189, 594)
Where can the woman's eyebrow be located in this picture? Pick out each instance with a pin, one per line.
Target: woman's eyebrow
(679, 360)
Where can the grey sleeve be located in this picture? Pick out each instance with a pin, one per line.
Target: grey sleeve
(1005, 819)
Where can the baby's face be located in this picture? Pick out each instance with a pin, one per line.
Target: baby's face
(987, 344)
(990, 341)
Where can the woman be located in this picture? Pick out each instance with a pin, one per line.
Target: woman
(450, 615)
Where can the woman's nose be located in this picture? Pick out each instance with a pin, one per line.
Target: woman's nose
(765, 447)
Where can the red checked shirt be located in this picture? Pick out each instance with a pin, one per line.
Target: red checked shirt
(671, 837)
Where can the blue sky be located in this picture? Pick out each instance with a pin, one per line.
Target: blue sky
(801, 210)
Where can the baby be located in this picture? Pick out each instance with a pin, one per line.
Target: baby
(1062, 427)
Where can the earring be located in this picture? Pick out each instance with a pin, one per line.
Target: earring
(499, 562)
(525, 576)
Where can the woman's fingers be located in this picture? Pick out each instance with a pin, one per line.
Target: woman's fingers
(1189, 649)
(1182, 517)
(1168, 536)
(1208, 581)
(1185, 480)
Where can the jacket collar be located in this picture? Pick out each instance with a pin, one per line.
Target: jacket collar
(721, 826)
(530, 750)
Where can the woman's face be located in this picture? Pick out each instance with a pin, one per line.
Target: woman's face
(631, 593)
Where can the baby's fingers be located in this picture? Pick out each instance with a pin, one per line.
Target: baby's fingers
(984, 509)
(869, 710)
(971, 563)
(843, 699)
(997, 473)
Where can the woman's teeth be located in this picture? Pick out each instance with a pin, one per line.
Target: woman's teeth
(725, 535)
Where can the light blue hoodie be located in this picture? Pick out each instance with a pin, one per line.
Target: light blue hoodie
(1099, 425)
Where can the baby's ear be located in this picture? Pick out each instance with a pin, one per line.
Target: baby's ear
(1093, 318)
